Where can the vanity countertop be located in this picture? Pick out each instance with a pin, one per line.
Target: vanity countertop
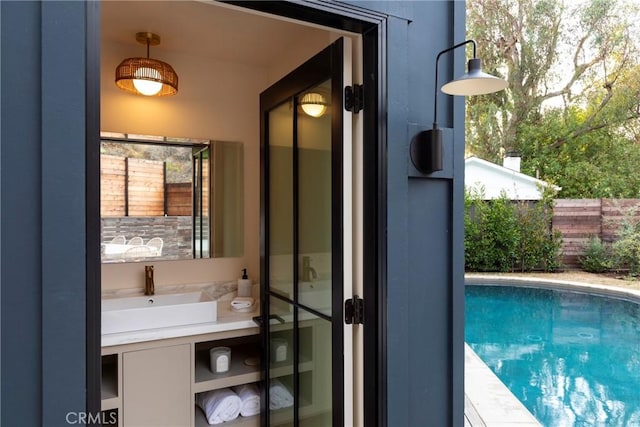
(227, 320)
(232, 321)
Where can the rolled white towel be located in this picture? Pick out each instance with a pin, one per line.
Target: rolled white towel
(242, 303)
(250, 397)
(279, 395)
(219, 405)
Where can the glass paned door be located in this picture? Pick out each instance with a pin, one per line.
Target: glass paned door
(302, 243)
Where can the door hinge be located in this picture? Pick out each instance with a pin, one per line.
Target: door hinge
(354, 311)
(353, 98)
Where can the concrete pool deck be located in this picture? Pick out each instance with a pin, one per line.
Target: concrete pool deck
(488, 402)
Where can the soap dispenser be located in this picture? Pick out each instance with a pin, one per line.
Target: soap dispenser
(244, 285)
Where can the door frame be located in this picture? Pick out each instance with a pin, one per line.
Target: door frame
(372, 26)
(93, 260)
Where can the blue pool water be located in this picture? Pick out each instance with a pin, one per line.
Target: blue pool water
(572, 359)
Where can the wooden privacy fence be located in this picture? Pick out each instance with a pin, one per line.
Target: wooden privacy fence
(137, 187)
(580, 219)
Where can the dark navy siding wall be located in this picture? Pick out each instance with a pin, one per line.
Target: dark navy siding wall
(399, 342)
(20, 184)
(63, 210)
(424, 243)
(43, 212)
(42, 299)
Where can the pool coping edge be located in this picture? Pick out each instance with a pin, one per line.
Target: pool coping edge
(591, 288)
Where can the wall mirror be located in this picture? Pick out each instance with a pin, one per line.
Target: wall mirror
(165, 198)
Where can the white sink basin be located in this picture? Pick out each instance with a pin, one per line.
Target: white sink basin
(157, 311)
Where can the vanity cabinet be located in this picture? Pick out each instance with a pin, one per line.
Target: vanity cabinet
(156, 387)
(154, 383)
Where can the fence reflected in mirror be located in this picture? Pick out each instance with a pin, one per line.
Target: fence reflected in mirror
(167, 198)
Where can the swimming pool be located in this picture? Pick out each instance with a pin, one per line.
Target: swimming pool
(573, 359)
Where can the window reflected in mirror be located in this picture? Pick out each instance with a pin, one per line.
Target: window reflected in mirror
(169, 198)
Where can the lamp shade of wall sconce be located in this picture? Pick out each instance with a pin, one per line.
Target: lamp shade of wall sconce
(474, 82)
(147, 76)
(313, 104)
(426, 146)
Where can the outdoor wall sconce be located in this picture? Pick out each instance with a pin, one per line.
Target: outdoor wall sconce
(146, 76)
(313, 104)
(426, 146)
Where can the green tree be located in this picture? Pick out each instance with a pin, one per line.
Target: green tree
(601, 163)
(582, 56)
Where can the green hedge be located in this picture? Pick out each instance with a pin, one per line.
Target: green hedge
(502, 235)
(597, 257)
(623, 255)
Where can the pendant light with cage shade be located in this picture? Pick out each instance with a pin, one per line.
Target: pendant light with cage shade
(147, 76)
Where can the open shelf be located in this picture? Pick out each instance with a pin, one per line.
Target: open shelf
(201, 420)
(239, 373)
(282, 369)
(279, 369)
(109, 386)
(279, 416)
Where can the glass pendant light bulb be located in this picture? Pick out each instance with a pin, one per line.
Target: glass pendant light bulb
(145, 86)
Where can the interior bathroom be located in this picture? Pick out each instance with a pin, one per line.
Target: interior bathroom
(199, 350)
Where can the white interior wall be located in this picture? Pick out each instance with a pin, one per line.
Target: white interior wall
(312, 43)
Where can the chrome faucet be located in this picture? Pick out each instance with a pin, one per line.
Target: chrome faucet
(149, 288)
(308, 272)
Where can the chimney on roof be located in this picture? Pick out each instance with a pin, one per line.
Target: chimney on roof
(512, 161)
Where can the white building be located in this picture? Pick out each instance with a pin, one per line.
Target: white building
(491, 180)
